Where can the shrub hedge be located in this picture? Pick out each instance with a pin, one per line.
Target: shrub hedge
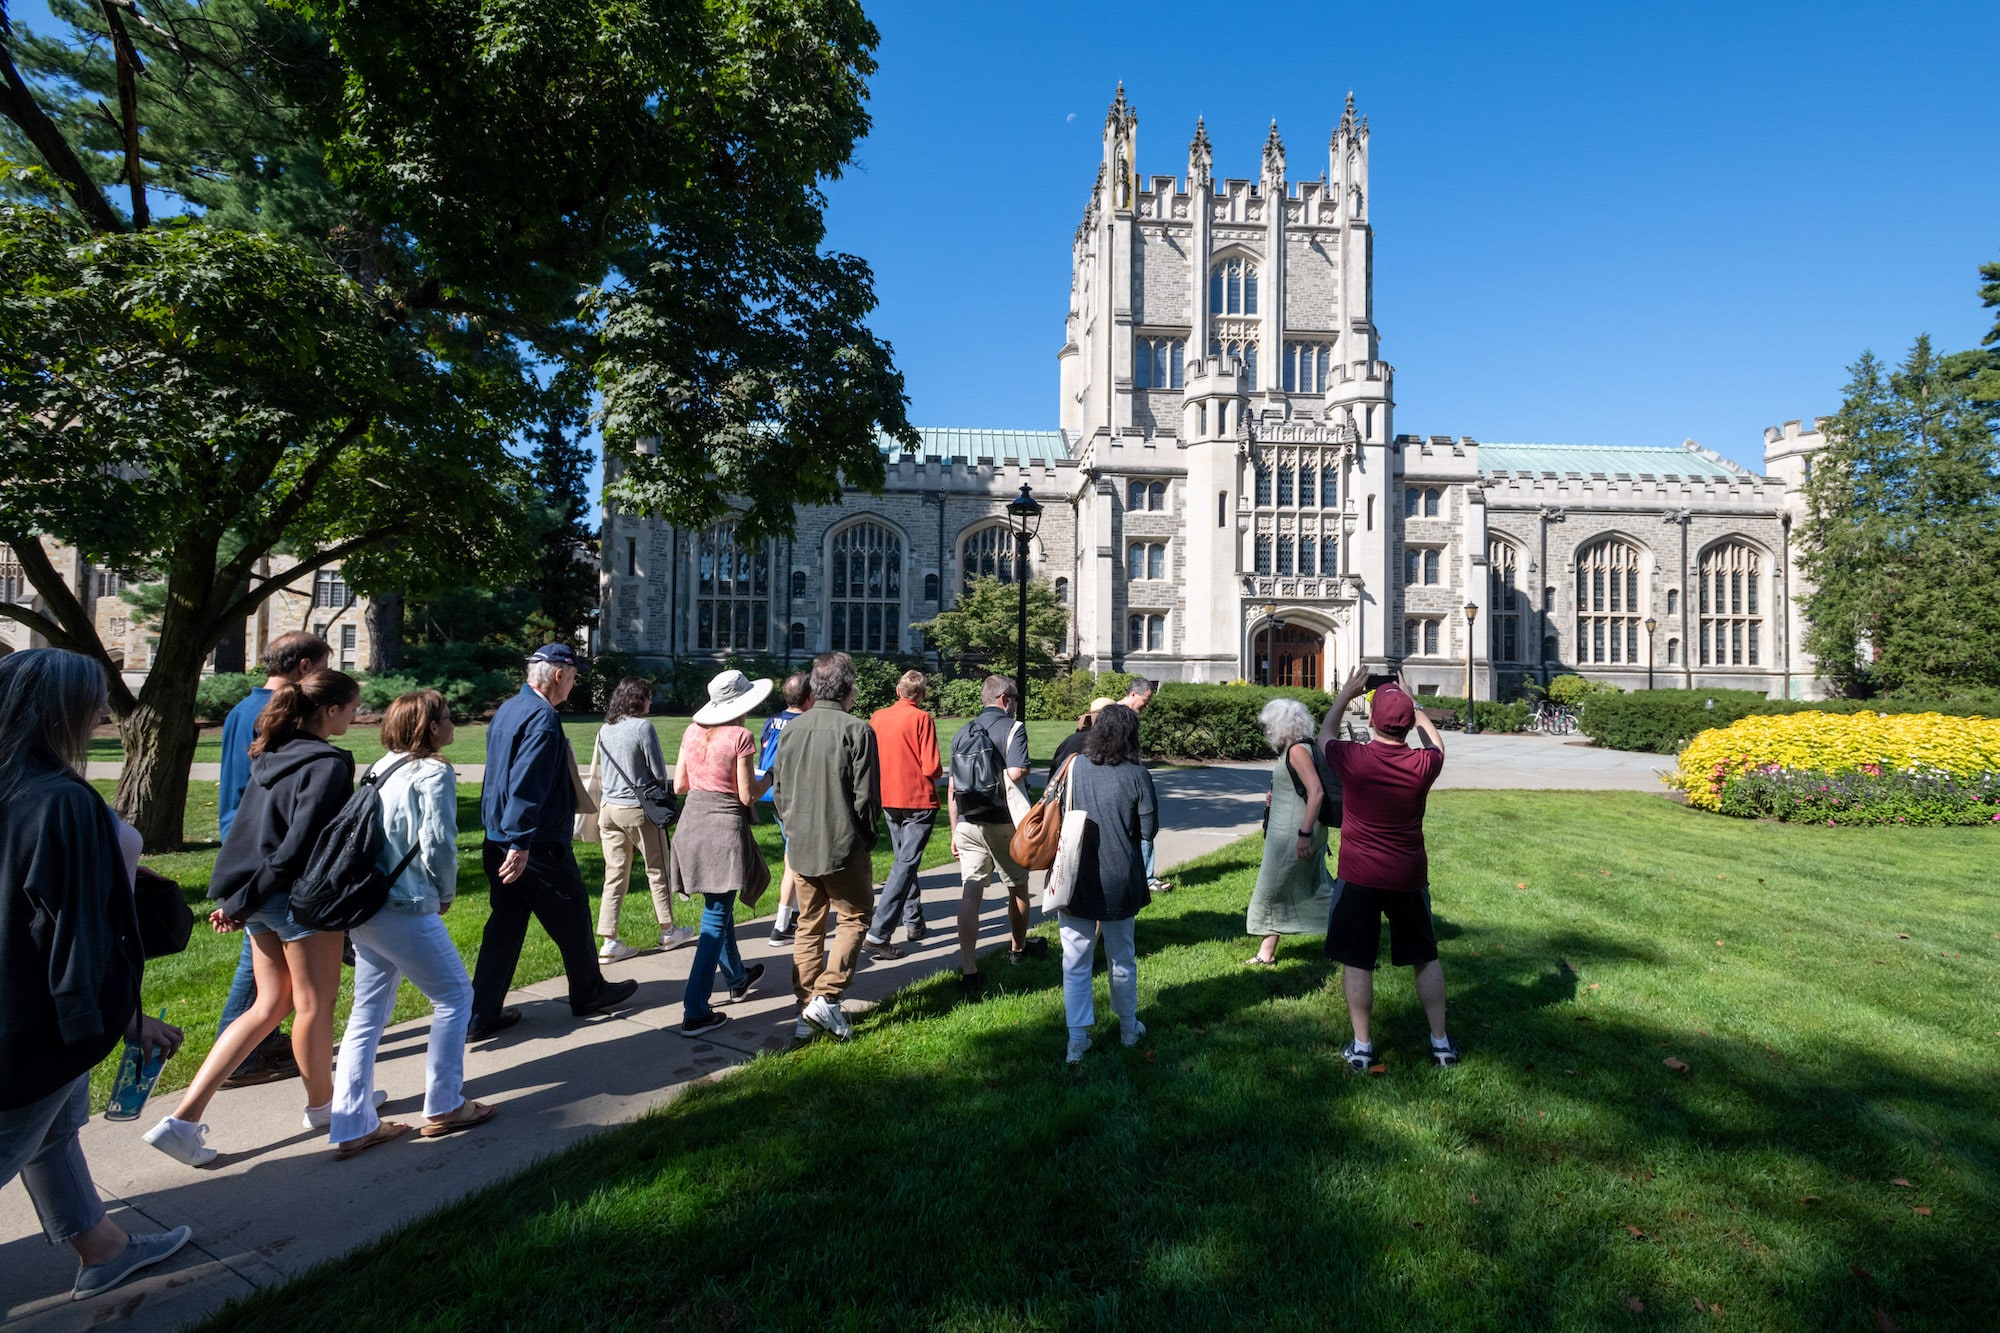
(1662, 721)
(1210, 722)
(1493, 716)
(217, 694)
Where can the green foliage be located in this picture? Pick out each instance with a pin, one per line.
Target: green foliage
(955, 698)
(1901, 542)
(1509, 716)
(1662, 721)
(1896, 796)
(565, 573)
(983, 630)
(1208, 722)
(1066, 696)
(219, 693)
(1571, 691)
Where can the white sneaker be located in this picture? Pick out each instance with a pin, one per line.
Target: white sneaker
(803, 1030)
(675, 937)
(182, 1141)
(1079, 1042)
(615, 951)
(825, 1015)
(1130, 1033)
(321, 1117)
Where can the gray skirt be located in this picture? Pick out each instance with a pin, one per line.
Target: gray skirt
(713, 851)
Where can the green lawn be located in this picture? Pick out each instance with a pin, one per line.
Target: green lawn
(470, 747)
(1830, 1151)
(192, 985)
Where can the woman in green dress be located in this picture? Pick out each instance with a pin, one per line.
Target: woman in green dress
(1294, 889)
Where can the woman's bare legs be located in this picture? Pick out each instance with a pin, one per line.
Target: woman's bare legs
(1269, 952)
(260, 1020)
(314, 963)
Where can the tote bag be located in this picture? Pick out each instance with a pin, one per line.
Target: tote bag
(1060, 886)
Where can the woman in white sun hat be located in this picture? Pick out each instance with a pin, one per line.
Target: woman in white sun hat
(713, 852)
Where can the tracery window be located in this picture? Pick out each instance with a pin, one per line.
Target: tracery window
(1159, 363)
(330, 589)
(1731, 624)
(1145, 632)
(1329, 557)
(1146, 560)
(1145, 495)
(13, 580)
(1244, 352)
(1263, 550)
(1503, 602)
(1608, 606)
(1422, 565)
(1232, 288)
(1284, 555)
(1306, 367)
(1420, 502)
(732, 607)
(986, 552)
(865, 590)
(1420, 637)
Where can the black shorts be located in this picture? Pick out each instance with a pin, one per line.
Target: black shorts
(1354, 926)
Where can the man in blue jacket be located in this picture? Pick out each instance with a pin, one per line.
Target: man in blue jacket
(288, 659)
(528, 806)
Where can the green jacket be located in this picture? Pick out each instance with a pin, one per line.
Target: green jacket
(828, 789)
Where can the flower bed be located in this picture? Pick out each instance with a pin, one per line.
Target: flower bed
(1855, 768)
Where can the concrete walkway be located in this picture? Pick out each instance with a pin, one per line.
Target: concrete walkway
(275, 1202)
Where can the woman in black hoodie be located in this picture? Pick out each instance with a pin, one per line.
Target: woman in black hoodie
(298, 782)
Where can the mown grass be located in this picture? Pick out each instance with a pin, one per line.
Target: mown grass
(1829, 1152)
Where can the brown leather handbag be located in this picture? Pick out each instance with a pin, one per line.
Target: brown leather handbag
(1033, 845)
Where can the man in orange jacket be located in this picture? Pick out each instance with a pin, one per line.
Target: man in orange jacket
(906, 738)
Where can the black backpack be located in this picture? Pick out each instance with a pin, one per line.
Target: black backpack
(978, 771)
(341, 888)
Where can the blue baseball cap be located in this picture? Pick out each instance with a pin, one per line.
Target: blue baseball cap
(561, 654)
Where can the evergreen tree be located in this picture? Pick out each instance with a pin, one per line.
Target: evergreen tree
(566, 574)
(1902, 536)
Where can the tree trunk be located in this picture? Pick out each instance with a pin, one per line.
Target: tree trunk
(385, 632)
(159, 735)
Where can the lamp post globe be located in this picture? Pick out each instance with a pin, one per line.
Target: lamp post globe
(1024, 513)
(1471, 714)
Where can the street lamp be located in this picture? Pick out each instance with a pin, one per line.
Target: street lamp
(1277, 625)
(1270, 643)
(1651, 625)
(1471, 714)
(1025, 513)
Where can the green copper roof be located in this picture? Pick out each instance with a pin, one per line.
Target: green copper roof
(945, 443)
(1609, 459)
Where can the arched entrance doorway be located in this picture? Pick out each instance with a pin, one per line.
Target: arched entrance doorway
(1289, 654)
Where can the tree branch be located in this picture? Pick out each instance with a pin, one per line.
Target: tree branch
(129, 69)
(18, 104)
(74, 630)
(238, 570)
(263, 588)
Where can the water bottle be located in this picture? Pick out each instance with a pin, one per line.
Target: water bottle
(137, 1073)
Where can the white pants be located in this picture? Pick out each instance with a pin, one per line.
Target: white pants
(388, 947)
(1079, 943)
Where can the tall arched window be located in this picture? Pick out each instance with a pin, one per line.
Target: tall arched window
(986, 552)
(1503, 602)
(865, 590)
(1232, 288)
(1608, 606)
(732, 609)
(1731, 604)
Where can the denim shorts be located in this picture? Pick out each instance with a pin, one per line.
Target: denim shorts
(275, 917)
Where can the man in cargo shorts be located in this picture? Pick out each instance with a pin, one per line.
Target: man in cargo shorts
(1384, 869)
(980, 830)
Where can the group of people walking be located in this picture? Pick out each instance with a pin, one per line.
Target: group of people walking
(72, 964)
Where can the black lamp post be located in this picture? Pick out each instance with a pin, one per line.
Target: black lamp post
(1651, 625)
(1471, 713)
(1025, 513)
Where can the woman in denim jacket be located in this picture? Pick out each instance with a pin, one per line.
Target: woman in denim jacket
(408, 936)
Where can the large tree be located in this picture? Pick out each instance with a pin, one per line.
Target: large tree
(315, 277)
(985, 626)
(1902, 535)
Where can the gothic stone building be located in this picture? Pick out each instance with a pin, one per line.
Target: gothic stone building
(1227, 496)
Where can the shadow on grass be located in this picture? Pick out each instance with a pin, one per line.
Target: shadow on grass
(946, 1170)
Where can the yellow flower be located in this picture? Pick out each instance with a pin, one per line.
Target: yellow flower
(1835, 743)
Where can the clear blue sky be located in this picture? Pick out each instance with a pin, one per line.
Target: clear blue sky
(1594, 223)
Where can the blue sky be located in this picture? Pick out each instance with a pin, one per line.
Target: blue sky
(1607, 224)
(1612, 224)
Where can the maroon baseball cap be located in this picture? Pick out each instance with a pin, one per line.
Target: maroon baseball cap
(1392, 708)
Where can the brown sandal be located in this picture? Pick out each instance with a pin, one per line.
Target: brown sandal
(466, 1116)
(385, 1132)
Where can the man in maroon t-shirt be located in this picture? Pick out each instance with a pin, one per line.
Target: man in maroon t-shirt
(1383, 869)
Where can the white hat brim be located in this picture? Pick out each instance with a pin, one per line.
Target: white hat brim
(713, 714)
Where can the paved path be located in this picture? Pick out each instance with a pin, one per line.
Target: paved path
(556, 1080)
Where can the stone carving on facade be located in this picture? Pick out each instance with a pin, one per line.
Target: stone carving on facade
(1201, 159)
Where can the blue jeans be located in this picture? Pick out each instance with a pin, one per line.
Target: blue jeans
(716, 947)
(1146, 851)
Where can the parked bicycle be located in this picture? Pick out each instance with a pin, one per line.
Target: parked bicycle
(1551, 719)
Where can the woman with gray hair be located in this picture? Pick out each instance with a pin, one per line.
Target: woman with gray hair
(1294, 889)
(70, 957)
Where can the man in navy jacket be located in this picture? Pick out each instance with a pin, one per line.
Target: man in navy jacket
(528, 805)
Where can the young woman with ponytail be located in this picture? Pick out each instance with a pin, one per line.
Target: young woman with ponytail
(298, 782)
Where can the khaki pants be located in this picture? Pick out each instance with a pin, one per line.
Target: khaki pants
(850, 893)
(622, 828)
